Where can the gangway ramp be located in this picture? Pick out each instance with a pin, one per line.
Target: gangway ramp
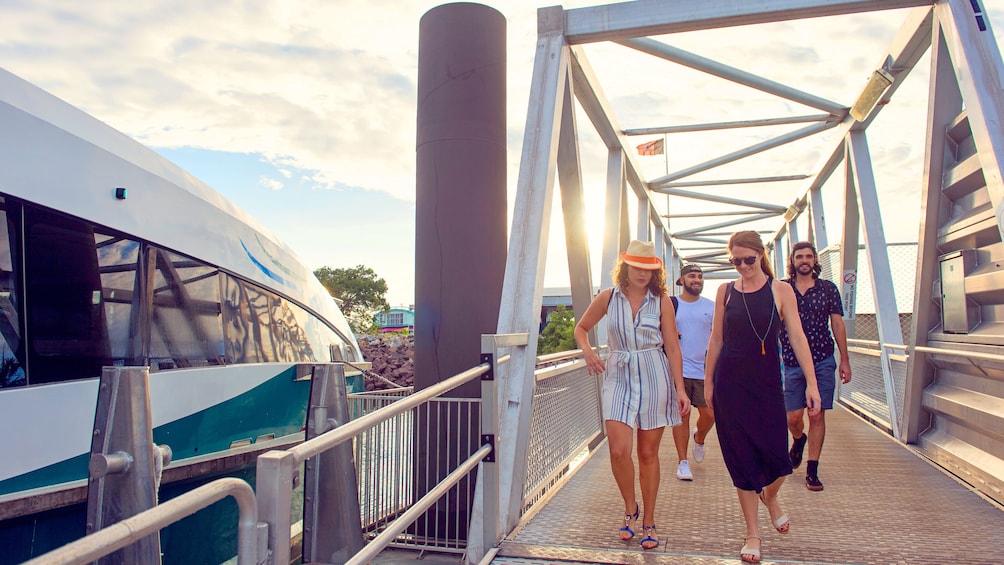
(937, 362)
(883, 503)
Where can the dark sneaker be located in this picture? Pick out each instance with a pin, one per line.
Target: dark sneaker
(795, 454)
(812, 482)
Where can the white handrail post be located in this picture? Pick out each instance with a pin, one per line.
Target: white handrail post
(490, 434)
(275, 479)
(482, 532)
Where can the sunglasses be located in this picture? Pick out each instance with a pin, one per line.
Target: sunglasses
(740, 260)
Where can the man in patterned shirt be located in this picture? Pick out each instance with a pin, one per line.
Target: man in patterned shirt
(820, 308)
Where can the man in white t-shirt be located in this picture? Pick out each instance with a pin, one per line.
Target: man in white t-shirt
(694, 315)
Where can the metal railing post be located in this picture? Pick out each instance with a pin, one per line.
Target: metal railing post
(332, 530)
(489, 434)
(483, 534)
(122, 467)
(275, 479)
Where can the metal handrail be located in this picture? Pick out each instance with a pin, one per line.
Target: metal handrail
(545, 373)
(874, 343)
(559, 356)
(930, 350)
(121, 534)
(276, 469)
(960, 353)
(385, 538)
(876, 353)
(563, 355)
(349, 430)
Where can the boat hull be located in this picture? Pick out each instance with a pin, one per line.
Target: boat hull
(214, 430)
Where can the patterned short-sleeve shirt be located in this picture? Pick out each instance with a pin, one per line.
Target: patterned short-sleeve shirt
(814, 308)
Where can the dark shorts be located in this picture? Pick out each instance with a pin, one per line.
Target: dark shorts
(695, 390)
(794, 384)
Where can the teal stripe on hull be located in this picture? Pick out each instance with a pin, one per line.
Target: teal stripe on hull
(277, 406)
(72, 469)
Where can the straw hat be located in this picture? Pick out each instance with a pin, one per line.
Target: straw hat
(641, 254)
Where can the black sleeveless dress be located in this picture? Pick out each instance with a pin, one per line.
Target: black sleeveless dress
(748, 400)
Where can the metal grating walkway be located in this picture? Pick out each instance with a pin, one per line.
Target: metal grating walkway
(882, 504)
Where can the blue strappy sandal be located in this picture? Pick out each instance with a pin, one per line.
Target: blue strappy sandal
(627, 527)
(648, 537)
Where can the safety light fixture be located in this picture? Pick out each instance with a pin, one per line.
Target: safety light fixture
(876, 87)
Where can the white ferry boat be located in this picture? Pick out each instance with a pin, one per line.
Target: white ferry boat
(111, 255)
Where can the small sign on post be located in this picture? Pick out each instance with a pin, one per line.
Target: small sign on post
(847, 291)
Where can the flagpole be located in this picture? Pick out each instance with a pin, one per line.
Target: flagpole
(665, 153)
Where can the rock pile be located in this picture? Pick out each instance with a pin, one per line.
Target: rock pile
(393, 358)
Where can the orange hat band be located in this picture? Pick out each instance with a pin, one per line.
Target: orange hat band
(654, 261)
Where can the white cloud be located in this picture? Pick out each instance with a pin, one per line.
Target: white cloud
(317, 86)
(271, 184)
(327, 87)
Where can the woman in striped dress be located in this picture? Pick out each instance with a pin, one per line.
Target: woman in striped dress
(637, 389)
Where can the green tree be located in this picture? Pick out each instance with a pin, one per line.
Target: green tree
(361, 293)
(559, 334)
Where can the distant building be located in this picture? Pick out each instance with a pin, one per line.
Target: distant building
(396, 319)
(552, 298)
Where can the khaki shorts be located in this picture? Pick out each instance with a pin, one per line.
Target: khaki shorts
(695, 390)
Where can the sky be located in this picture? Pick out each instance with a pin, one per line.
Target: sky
(303, 112)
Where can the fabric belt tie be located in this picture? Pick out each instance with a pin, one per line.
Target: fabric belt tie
(624, 357)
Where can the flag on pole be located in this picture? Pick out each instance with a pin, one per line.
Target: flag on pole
(655, 147)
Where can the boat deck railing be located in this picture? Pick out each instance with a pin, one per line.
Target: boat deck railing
(393, 467)
(564, 427)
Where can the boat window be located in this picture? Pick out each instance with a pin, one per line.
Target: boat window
(336, 352)
(65, 316)
(186, 326)
(99, 298)
(120, 295)
(288, 324)
(247, 329)
(11, 368)
(262, 327)
(321, 337)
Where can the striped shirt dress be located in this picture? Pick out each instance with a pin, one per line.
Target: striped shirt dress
(637, 388)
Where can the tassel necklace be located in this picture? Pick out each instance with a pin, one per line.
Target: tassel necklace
(742, 286)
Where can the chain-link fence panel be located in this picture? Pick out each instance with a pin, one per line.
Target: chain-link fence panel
(902, 266)
(867, 390)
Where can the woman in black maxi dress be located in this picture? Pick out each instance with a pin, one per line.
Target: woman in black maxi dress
(752, 424)
(744, 373)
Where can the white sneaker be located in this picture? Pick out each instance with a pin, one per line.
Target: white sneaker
(698, 447)
(683, 471)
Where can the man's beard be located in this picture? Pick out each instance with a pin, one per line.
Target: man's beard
(805, 269)
(692, 292)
